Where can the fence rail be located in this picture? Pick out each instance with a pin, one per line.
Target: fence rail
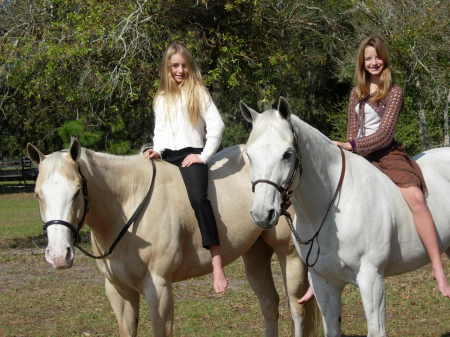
(18, 170)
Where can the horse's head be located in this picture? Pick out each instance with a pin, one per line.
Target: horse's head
(59, 188)
(273, 157)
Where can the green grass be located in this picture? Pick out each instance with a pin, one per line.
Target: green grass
(37, 301)
(19, 216)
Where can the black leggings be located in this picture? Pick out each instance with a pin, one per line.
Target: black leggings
(195, 179)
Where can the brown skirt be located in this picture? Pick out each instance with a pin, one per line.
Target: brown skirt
(396, 164)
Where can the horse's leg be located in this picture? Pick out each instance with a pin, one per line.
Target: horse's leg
(125, 304)
(328, 296)
(259, 273)
(158, 293)
(304, 316)
(371, 286)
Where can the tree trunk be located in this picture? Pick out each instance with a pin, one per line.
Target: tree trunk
(446, 138)
(423, 128)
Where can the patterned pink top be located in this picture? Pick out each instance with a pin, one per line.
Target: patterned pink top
(388, 108)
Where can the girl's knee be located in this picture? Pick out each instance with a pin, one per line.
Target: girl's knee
(415, 198)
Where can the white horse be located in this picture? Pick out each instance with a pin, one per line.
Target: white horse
(164, 244)
(369, 231)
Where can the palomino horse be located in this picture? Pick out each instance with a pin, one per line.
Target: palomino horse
(164, 245)
(365, 233)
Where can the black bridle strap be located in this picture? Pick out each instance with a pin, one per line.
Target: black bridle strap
(278, 187)
(75, 232)
(316, 234)
(137, 213)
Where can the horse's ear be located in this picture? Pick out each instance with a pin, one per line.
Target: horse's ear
(248, 113)
(283, 107)
(34, 154)
(75, 148)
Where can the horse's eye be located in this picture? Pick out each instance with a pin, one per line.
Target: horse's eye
(287, 155)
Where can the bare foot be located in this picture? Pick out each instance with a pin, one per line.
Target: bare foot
(219, 281)
(307, 296)
(442, 283)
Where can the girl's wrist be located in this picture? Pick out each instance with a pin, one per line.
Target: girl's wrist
(352, 145)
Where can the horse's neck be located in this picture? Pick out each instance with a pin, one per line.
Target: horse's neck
(113, 183)
(321, 162)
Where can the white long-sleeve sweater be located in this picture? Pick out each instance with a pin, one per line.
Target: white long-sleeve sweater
(174, 131)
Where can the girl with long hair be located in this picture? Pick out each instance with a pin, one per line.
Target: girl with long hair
(373, 110)
(188, 130)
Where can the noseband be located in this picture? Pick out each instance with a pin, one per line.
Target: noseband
(76, 230)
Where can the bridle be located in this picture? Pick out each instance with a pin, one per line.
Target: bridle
(286, 192)
(285, 189)
(76, 230)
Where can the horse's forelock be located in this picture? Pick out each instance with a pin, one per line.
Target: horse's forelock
(57, 162)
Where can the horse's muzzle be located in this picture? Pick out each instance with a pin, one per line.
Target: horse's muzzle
(61, 260)
(265, 219)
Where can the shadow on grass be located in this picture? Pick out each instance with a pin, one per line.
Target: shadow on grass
(447, 334)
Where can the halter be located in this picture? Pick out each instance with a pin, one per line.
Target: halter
(286, 193)
(76, 230)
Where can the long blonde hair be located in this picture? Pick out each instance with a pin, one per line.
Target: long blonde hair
(361, 75)
(192, 85)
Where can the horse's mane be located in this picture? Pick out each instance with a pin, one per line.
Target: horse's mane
(318, 135)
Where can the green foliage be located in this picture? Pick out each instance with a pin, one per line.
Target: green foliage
(79, 129)
(91, 66)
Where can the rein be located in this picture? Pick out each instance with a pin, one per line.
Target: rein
(286, 193)
(76, 230)
(315, 236)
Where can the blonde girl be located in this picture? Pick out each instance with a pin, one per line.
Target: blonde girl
(188, 131)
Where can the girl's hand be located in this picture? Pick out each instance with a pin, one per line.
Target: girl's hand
(346, 146)
(151, 154)
(191, 159)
